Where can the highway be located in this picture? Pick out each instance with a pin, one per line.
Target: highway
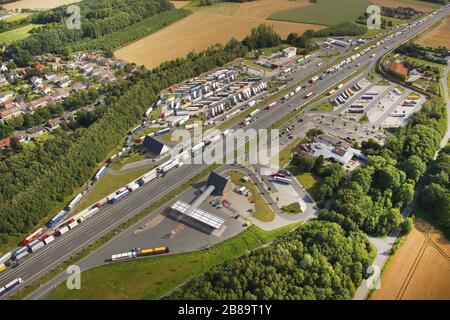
(37, 264)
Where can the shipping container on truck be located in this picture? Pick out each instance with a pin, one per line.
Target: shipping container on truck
(309, 95)
(100, 173)
(123, 256)
(272, 105)
(74, 202)
(37, 246)
(313, 79)
(133, 186)
(148, 112)
(119, 196)
(366, 97)
(90, 213)
(254, 112)
(72, 224)
(358, 106)
(101, 203)
(11, 285)
(153, 251)
(48, 240)
(162, 131)
(62, 230)
(57, 218)
(21, 255)
(33, 236)
(5, 257)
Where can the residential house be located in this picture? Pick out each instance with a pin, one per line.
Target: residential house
(54, 123)
(59, 95)
(8, 104)
(63, 83)
(79, 86)
(3, 80)
(6, 96)
(45, 89)
(20, 136)
(4, 143)
(6, 114)
(41, 102)
(36, 81)
(35, 131)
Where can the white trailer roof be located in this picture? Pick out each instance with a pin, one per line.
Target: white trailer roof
(199, 215)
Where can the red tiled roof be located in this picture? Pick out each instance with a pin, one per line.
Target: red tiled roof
(398, 68)
(5, 142)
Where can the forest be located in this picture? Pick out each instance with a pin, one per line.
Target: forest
(435, 198)
(317, 261)
(372, 200)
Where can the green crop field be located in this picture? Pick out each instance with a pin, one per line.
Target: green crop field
(17, 17)
(15, 34)
(324, 12)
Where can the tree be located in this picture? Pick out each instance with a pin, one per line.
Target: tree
(414, 167)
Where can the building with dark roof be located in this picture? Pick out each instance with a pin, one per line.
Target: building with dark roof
(220, 182)
(155, 147)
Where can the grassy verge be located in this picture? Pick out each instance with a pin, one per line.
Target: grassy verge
(109, 235)
(293, 208)
(311, 182)
(285, 155)
(109, 183)
(16, 34)
(324, 106)
(151, 278)
(263, 212)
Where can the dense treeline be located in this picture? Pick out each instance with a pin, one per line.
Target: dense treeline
(376, 193)
(47, 188)
(262, 37)
(98, 19)
(414, 50)
(6, 25)
(319, 261)
(132, 33)
(304, 41)
(346, 28)
(435, 198)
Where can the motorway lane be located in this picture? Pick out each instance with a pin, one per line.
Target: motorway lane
(42, 261)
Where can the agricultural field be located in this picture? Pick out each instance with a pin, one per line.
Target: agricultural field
(438, 36)
(418, 5)
(180, 4)
(208, 26)
(16, 17)
(15, 34)
(324, 12)
(420, 269)
(33, 4)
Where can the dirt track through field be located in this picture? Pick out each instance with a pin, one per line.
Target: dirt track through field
(438, 36)
(208, 26)
(420, 269)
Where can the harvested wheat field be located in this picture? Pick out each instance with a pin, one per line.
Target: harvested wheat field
(180, 4)
(416, 5)
(420, 270)
(438, 36)
(34, 4)
(208, 26)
